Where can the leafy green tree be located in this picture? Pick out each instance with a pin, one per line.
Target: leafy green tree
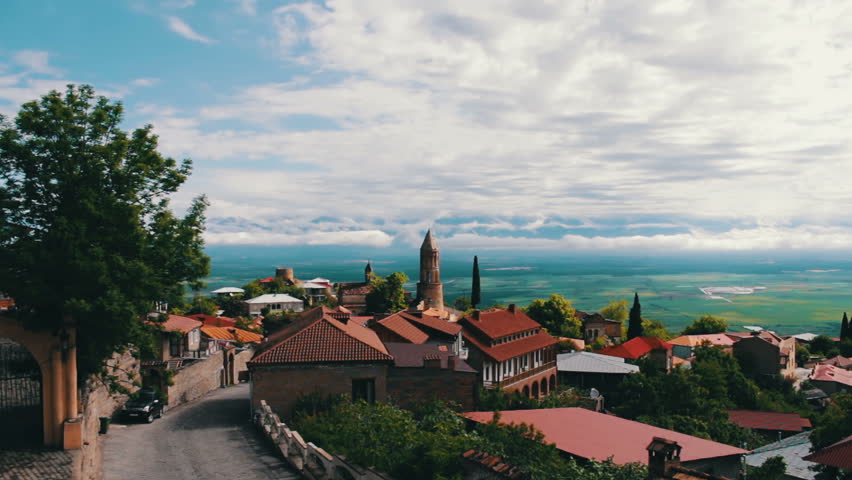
(475, 288)
(253, 289)
(234, 306)
(773, 468)
(556, 314)
(387, 294)
(462, 304)
(655, 328)
(833, 425)
(616, 310)
(635, 326)
(802, 355)
(824, 345)
(706, 324)
(86, 237)
(202, 304)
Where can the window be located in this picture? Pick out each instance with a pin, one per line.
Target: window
(364, 389)
(174, 345)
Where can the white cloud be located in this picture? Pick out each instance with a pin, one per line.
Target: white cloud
(371, 238)
(35, 61)
(181, 28)
(145, 82)
(248, 7)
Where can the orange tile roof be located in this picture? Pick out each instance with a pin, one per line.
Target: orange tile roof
(636, 347)
(177, 323)
(505, 351)
(598, 436)
(323, 335)
(400, 325)
(213, 321)
(434, 322)
(719, 339)
(232, 333)
(784, 422)
(499, 323)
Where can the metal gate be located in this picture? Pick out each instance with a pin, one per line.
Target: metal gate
(20, 396)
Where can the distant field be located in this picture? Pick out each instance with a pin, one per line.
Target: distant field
(798, 294)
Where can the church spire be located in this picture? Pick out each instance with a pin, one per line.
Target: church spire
(429, 243)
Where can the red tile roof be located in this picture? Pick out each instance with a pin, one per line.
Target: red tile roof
(499, 323)
(177, 323)
(213, 321)
(322, 335)
(433, 322)
(636, 348)
(231, 333)
(514, 348)
(354, 288)
(409, 355)
(830, 373)
(400, 325)
(776, 421)
(598, 436)
(837, 455)
(838, 361)
(718, 339)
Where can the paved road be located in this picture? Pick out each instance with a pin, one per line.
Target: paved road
(211, 438)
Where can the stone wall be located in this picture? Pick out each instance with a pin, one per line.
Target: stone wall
(241, 360)
(97, 401)
(196, 380)
(410, 386)
(312, 461)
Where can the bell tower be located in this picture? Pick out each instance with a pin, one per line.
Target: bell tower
(429, 289)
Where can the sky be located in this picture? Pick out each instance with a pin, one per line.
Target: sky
(566, 125)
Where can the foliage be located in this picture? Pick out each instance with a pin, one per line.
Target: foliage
(462, 304)
(824, 345)
(616, 310)
(496, 399)
(845, 347)
(255, 289)
(802, 355)
(248, 324)
(597, 344)
(475, 287)
(87, 237)
(655, 328)
(832, 426)
(706, 324)
(772, 469)
(556, 314)
(387, 293)
(636, 324)
(234, 306)
(202, 304)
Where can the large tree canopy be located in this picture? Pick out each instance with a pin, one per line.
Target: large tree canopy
(87, 237)
(556, 314)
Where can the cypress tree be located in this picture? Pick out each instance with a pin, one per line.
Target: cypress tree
(475, 293)
(634, 325)
(844, 328)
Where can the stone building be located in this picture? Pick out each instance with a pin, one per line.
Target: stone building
(353, 295)
(424, 372)
(765, 353)
(510, 350)
(430, 290)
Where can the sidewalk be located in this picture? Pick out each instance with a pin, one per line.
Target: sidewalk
(37, 464)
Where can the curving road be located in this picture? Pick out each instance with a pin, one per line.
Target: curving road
(211, 438)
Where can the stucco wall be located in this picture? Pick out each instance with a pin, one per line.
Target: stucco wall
(196, 380)
(97, 401)
(282, 385)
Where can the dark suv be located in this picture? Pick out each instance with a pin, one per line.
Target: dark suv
(145, 405)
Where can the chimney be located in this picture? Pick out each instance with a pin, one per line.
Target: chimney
(451, 362)
(512, 307)
(431, 361)
(663, 456)
(476, 315)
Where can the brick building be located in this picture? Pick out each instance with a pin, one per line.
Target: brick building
(765, 353)
(425, 372)
(510, 350)
(595, 325)
(322, 352)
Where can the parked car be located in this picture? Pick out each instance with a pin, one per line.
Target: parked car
(146, 405)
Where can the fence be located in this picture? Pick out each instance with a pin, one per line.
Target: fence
(312, 461)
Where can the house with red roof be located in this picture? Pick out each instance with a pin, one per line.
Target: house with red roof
(838, 455)
(181, 337)
(657, 350)
(685, 345)
(424, 372)
(831, 379)
(511, 351)
(588, 435)
(213, 320)
(763, 353)
(419, 327)
(322, 352)
(783, 424)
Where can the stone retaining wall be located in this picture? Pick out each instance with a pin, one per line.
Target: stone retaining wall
(98, 401)
(312, 461)
(196, 380)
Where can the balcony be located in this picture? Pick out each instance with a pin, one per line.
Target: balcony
(521, 376)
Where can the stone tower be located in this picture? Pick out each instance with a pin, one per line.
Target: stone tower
(429, 289)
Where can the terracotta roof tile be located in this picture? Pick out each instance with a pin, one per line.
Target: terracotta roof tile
(505, 351)
(434, 322)
(177, 323)
(213, 321)
(320, 337)
(400, 325)
(839, 361)
(598, 436)
(499, 323)
(830, 373)
(784, 422)
(719, 339)
(636, 348)
(232, 333)
(837, 455)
